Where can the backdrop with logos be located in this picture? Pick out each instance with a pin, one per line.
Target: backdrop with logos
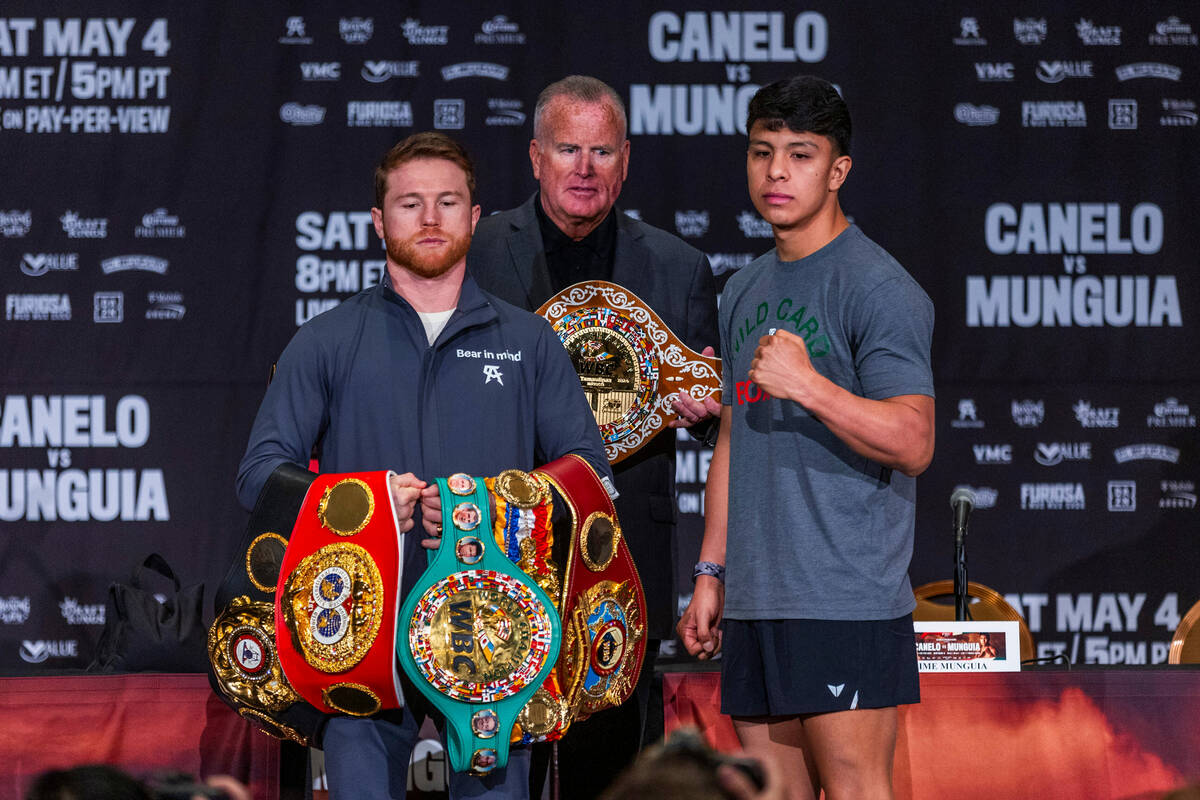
(183, 186)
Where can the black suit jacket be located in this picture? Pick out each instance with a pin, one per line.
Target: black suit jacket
(507, 259)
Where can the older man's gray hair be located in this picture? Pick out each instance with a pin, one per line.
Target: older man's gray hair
(579, 87)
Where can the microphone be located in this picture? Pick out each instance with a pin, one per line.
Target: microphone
(962, 501)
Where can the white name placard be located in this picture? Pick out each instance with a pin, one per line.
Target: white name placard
(949, 646)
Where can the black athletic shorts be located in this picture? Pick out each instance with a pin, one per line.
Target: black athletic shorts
(786, 667)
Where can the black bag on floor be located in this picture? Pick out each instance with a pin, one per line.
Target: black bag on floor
(143, 635)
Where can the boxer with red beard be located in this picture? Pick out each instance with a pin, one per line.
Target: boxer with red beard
(427, 375)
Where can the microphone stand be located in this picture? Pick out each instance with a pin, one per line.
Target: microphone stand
(960, 573)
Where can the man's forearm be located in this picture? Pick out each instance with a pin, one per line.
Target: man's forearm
(716, 496)
(896, 432)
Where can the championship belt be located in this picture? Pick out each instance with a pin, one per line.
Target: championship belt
(478, 635)
(244, 669)
(603, 605)
(335, 607)
(628, 361)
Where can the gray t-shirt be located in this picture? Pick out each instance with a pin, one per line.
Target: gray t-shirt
(815, 530)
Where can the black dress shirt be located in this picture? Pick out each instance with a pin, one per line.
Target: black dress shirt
(569, 261)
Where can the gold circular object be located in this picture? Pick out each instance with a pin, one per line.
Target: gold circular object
(541, 715)
(241, 650)
(609, 370)
(346, 507)
(483, 636)
(272, 727)
(351, 698)
(598, 541)
(264, 557)
(521, 489)
(334, 639)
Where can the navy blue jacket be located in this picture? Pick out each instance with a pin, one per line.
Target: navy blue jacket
(495, 391)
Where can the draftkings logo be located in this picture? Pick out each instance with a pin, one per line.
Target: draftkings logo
(418, 34)
(1090, 417)
(1098, 35)
(77, 227)
(77, 614)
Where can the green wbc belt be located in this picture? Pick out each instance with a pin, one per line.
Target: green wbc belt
(478, 636)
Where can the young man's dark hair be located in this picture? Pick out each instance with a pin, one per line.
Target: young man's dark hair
(802, 103)
(429, 144)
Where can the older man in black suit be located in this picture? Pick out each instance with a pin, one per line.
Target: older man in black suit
(569, 231)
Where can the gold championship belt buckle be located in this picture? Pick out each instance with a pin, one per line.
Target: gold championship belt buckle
(308, 625)
(628, 361)
(603, 605)
(335, 611)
